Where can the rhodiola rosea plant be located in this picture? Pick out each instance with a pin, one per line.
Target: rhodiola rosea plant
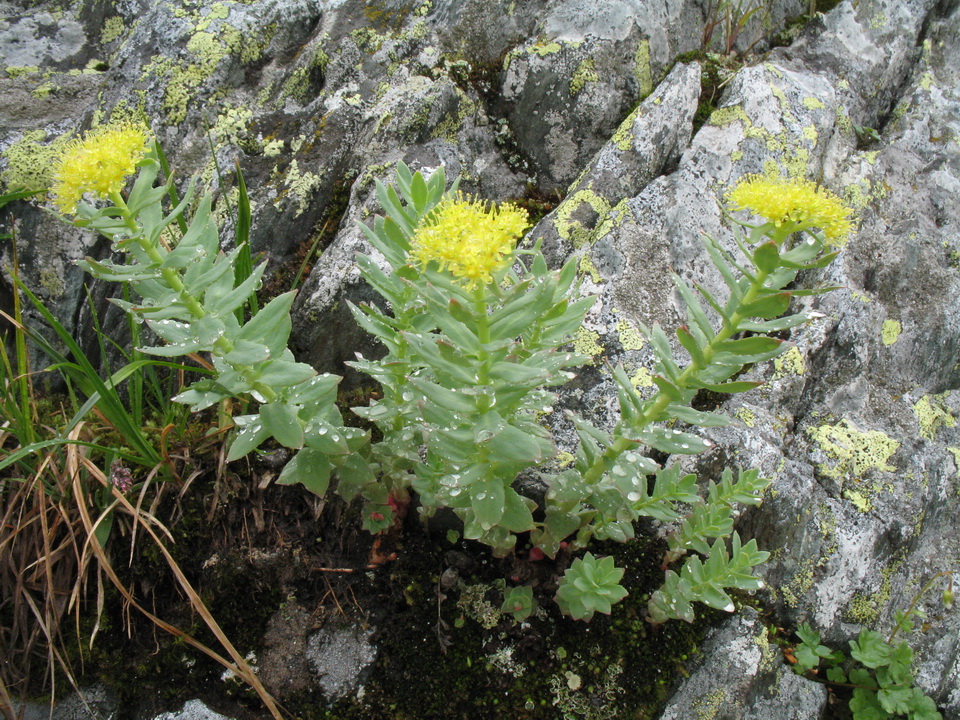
(476, 331)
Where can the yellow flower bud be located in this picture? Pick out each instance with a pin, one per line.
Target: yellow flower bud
(468, 238)
(98, 164)
(800, 202)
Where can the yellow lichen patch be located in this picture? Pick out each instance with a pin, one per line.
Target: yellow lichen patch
(853, 453)
(721, 117)
(746, 416)
(30, 161)
(299, 186)
(642, 69)
(790, 363)
(544, 49)
(573, 230)
(587, 267)
(231, 125)
(812, 103)
(113, 27)
(630, 338)
(586, 72)
(932, 414)
(709, 706)
(587, 342)
(623, 135)
(890, 331)
(642, 378)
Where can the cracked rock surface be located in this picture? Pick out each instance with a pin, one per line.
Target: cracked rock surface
(583, 103)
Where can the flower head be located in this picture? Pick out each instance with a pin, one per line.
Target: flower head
(798, 202)
(468, 238)
(99, 163)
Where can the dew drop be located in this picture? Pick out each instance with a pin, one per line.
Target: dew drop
(322, 431)
(634, 496)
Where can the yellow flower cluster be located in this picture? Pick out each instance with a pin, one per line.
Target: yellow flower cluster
(468, 238)
(98, 164)
(800, 202)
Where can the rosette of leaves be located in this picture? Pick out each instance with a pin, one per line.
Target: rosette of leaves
(590, 586)
(194, 301)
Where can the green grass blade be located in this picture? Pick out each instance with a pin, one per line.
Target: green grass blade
(110, 403)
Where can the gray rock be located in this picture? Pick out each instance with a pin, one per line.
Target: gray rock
(92, 703)
(193, 710)
(739, 675)
(340, 657)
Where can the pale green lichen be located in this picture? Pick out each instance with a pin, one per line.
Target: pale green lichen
(801, 582)
(15, 71)
(721, 117)
(232, 125)
(51, 280)
(474, 603)
(44, 90)
(595, 699)
(890, 331)
(586, 72)
(623, 135)
(113, 28)
(789, 363)
(746, 416)
(30, 161)
(586, 342)
(809, 133)
(709, 706)
(587, 267)
(573, 230)
(812, 103)
(865, 608)
(860, 297)
(272, 148)
(630, 338)
(544, 49)
(878, 21)
(298, 186)
(642, 378)
(852, 453)
(642, 69)
(927, 81)
(933, 414)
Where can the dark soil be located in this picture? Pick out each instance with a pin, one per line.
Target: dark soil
(276, 564)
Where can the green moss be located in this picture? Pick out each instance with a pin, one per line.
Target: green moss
(890, 332)
(586, 72)
(52, 282)
(933, 414)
